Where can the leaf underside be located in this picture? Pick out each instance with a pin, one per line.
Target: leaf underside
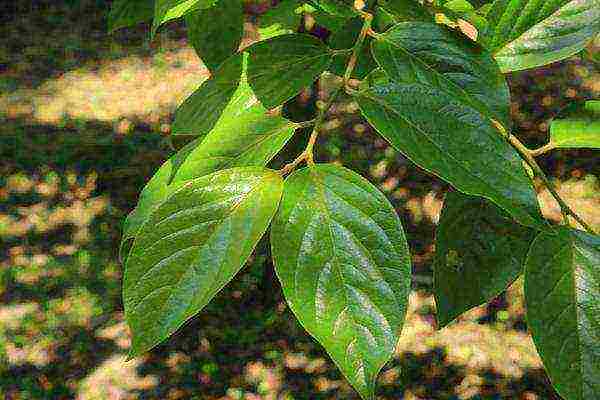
(479, 252)
(343, 262)
(216, 33)
(280, 67)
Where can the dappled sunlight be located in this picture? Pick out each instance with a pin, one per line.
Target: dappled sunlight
(81, 138)
(131, 88)
(114, 379)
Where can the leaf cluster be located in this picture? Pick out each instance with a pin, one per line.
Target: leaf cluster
(431, 83)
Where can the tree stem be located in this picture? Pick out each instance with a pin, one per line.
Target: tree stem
(308, 153)
(542, 150)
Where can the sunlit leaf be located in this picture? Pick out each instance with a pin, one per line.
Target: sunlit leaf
(342, 259)
(579, 129)
(529, 33)
(199, 113)
(166, 10)
(192, 246)
(246, 136)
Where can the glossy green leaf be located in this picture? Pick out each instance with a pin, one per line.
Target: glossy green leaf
(249, 137)
(433, 112)
(579, 129)
(345, 39)
(562, 294)
(433, 55)
(125, 13)
(216, 33)
(452, 141)
(192, 246)
(166, 10)
(280, 67)
(199, 113)
(282, 19)
(479, 252)
(530, 33)
(343, 262)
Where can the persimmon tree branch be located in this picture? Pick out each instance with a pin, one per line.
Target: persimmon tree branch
(528, 156)
(308, 153)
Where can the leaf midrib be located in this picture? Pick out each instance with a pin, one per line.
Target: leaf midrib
(320, 185)
(178, 282)
(391, 109)
(453, 84)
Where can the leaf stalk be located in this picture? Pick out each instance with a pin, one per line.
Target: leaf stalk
(528, 156)
(308, 153)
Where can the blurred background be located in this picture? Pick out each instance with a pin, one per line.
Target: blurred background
(84, 122)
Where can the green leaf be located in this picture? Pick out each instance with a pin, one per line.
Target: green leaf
(580, 129)
(280, 67)
(343, 262)
(345, 39)
(479, 252)
(216, 33)
(199, 113)
(433, 55)
(562, 294)
(531, 33)
(340, 8)
(192, 246)
(166, 10)
(406, 10)
(124, 13)
(248, 137)
(431, 110)
(332, 23)
(284, 18)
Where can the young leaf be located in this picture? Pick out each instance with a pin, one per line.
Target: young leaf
(431, 54)
(202, 109)
(192, 246)
(531, 33)
(166, 10)
(344, 39)
(343, 262)
(278, 68)
(479, 252)
(580, 129)
(124, 13)
(562, 294)
(248, 137)
(216, 32)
